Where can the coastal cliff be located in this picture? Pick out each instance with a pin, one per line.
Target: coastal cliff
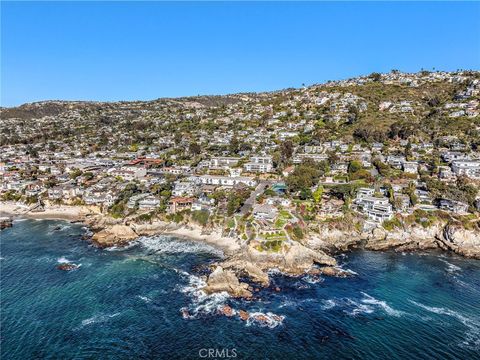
(446, 236)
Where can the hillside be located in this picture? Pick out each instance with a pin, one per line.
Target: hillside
(425, 105)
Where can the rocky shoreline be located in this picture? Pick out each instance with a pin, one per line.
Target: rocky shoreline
(444, 236)
(313, 255)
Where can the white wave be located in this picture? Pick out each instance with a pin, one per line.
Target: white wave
(451, 267)
(472, 336)
(358, 308)
(274, 271)
(287, 303)
(121, 248)
(63, 260)
(145, 299)
(98, 319)
(169, 245)
(202, 303)
(312, 279)
(351, 272)
(19, 220)
(370, 300)
(52, 228)
(268, 319)
(328, 304)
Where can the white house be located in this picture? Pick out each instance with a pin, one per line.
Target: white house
(265, 212)
(376, 208)
(261, 164)
(227, 180)
(223, 162)
(470, 168)
(410, 167)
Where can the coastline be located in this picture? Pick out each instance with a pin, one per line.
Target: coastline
(82, 214)
(56, 212)
(112, 232)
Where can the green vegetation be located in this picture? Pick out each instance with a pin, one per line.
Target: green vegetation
(305, 176)
(201, 217)
(392, 224)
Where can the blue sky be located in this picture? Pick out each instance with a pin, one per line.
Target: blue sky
(140, 51)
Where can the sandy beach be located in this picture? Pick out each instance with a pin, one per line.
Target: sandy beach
(78, 213)
(227, 244)
(55, 212)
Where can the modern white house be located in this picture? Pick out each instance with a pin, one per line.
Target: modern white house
(260, 164)
(376, 208)
(454, 206)
(223, 162)
(469, 168)
(410, 167)
(184, 188)
(265, 212)
(226, 180)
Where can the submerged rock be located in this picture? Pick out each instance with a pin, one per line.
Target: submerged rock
(244, 315)
(226, 310)
(5, 222)
(67, 267)
(261, 318)
(333, 271)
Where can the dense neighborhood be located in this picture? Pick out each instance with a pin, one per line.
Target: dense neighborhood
(380, 151)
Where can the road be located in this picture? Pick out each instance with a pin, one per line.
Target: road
(253, 196)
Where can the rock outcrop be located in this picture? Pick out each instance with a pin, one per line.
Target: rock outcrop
(225, 280)
(451, 237)
(114, 235)
(248, 269)
(460, 240)
(5, 222)
(296, 259)
(333, 271)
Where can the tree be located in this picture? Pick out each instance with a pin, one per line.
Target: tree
(201, 217)
(194, 148)
(353, 114)
(234, 145)
(306, 175)
(286, 150)
(177, 138)
(375, 76)
(31, 151)
(343, 191)
(354, 166)
(317, 194)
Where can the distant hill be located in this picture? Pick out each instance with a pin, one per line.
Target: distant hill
(424, 104)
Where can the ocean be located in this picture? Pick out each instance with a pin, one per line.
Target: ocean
(144, 302)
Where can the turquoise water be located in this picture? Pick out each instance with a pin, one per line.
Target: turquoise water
(143, 302)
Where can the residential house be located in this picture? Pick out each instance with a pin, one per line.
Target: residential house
(469, 168)
(179, 203)
(265, 212)
(223, 162)
(260, 164)
(410, 167)
(454, 206)
(376, 208)
(226, 180)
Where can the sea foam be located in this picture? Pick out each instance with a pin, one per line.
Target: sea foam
(472, 336)
(169, 245)
(370, 300)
